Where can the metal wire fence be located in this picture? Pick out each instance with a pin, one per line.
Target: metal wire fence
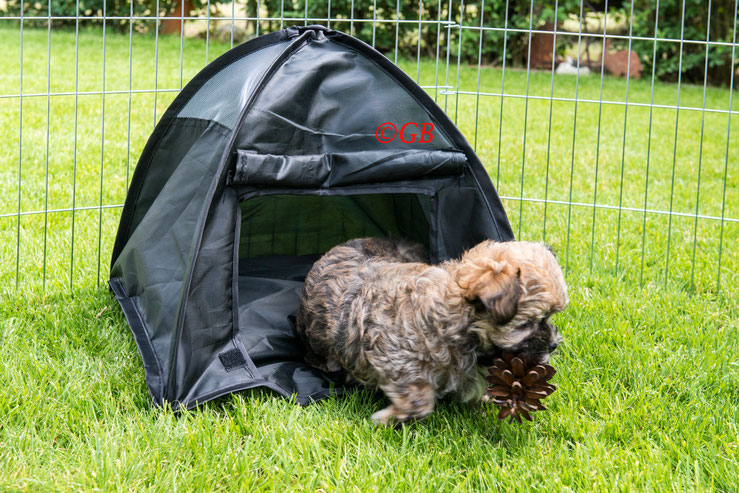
(632, 177)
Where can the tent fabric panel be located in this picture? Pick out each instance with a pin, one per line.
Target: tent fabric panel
(208, 324)
(327, 117)
(212, 380)
(344, 168)
(144, 166)
(152, 264)
(302, 110)
(460, 225)
(224, 95)
(183, 134)
(152, 364)
(200, 269)
(266, 335)
(491, 200)
(265, 330)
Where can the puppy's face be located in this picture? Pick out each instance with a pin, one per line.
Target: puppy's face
(516, 287)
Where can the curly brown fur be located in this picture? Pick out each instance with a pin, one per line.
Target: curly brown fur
(420, 331)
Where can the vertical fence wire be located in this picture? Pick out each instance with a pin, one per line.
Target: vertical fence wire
(549, 127)
(102, 151)
(479, 66)
(74, 148)
(448, 51)
(649, 146)
(48, 125)
(525, 120)
(418, 48)
(574, 134)
(351, 25)
(233, 18)
(207, 30)
(156, 61)
(459, 59)
(438, 42)
(20, 156)
(397, 26)
(597, 139)
(374, 19)
(700, 149)
(674, 151)
(182, 34)
(623, 142)
(728, 143)
(502, 95)
(130, 87)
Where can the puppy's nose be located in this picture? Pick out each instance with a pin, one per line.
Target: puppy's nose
(553, 346)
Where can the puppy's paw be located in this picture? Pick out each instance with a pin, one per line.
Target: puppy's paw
(385, 417)
(409, 402)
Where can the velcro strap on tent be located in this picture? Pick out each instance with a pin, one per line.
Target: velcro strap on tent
(344, 168)
(232, 359)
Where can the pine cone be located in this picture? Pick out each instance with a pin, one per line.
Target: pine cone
(518, 386)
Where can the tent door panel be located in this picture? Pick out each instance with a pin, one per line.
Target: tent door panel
(281, 236)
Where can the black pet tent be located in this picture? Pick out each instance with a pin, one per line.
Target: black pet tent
(267, 159)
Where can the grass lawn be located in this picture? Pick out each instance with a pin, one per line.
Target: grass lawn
(648, 378)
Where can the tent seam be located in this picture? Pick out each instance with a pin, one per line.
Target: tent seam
(289, 50)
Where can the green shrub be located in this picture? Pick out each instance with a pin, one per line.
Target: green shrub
(519, 16)
(407, 46)
(695, 28)
(89, 9)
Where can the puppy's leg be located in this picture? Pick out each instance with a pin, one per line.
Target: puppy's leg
(409, 402)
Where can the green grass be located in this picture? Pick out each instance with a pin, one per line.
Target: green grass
(648, 379)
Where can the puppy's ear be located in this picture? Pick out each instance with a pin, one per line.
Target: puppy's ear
(496, 284)
(502, 300)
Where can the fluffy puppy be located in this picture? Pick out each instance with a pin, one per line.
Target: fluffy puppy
(417, 331)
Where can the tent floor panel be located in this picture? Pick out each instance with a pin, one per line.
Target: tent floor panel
(266, 331)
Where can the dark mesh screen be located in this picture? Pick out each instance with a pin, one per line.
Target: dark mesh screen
(299, 225)
(281, 237)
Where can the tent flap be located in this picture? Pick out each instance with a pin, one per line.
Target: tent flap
(344, 168)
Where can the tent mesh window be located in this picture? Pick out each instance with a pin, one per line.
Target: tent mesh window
(300, 225)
